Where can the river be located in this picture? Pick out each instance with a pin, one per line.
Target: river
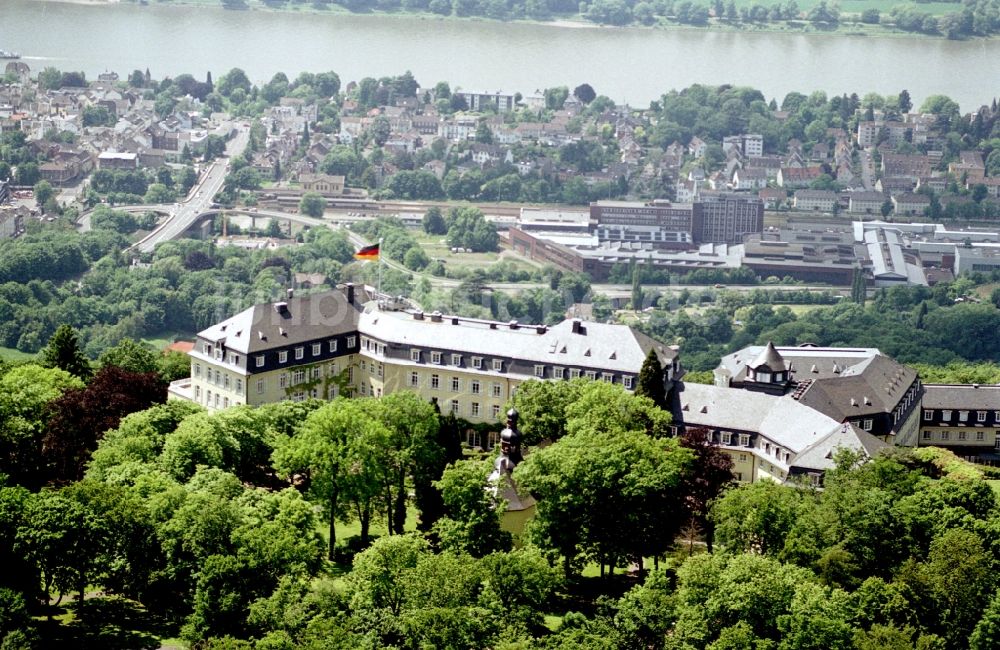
(633, 65)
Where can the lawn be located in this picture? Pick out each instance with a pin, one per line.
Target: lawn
(10, 354)
(160, 340)
(436, 247)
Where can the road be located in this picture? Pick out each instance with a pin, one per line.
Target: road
(199, 200)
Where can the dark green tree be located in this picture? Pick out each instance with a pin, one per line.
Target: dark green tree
(63, 351)
(433, 221)
(651, 380)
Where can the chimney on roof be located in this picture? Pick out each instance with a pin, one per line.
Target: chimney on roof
(418, 315)
(291, 293)
(541, 329)
(513, 324)
(454, 320)
(281, 307)
(349, 292)
(577, 326)
(436, 317)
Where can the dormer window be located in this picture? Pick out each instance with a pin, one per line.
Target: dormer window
(764, 376)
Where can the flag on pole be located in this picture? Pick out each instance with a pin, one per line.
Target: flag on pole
(367, 253)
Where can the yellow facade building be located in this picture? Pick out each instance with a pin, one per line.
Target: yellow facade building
(343, 343)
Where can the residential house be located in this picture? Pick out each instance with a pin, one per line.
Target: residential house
(816, 200)
(697, 147)
(749, 179)
(793, 177)
(910, 204)
(866, 202)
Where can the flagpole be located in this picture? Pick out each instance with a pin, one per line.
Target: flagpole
(379, 297)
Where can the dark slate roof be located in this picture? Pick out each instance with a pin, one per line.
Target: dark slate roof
(297, 320)
(876, 385)
(962, 396)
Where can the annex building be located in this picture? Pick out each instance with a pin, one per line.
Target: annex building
(346, 343)
(782, 412)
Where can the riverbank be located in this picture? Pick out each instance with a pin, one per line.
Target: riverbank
(577, 21)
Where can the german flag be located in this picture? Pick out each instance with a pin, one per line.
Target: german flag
(367, 253)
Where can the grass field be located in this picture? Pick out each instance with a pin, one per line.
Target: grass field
(163, 339)
(10, 354)
(437, 248)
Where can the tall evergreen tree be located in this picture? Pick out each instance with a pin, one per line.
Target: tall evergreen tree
(636, 289)
(651, 380)
(63, 351)
(905, 103)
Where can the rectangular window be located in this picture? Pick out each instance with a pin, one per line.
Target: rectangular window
(239, 385)
(928, 415)
(225, 382)
(197, 393)
(607, 376)
(743, 458)
(316, 349)
(497, 390)
(261, 384)
(867, 425)
(283, 356)
(300, 352)
(495, 411)
(456, 359)
(574, 373)
(628, 382)
(197, 370)
(945, 415)
(592, 375)
(454, 406)
(436, 357)
(963, 416)
(333, 345)
(435, 382)
(283, 380)
(455, 385)
(414, 379)
(477, 363)
(235, 359)
(474, 387)
(744, 439)
(352, 341)
(961, 435)
(727, 437)
(415, 356)
(475, 409)
(298, 376)
(299, 396)
(259, 360)
(208, 375)
(980, 436)
(216, 400)
(945, 435)
(927, 435)
(498, 365)
(207, 349)
(225, 402)
(540, 371)
(980, 416)
(559, 373)
(315, 372)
